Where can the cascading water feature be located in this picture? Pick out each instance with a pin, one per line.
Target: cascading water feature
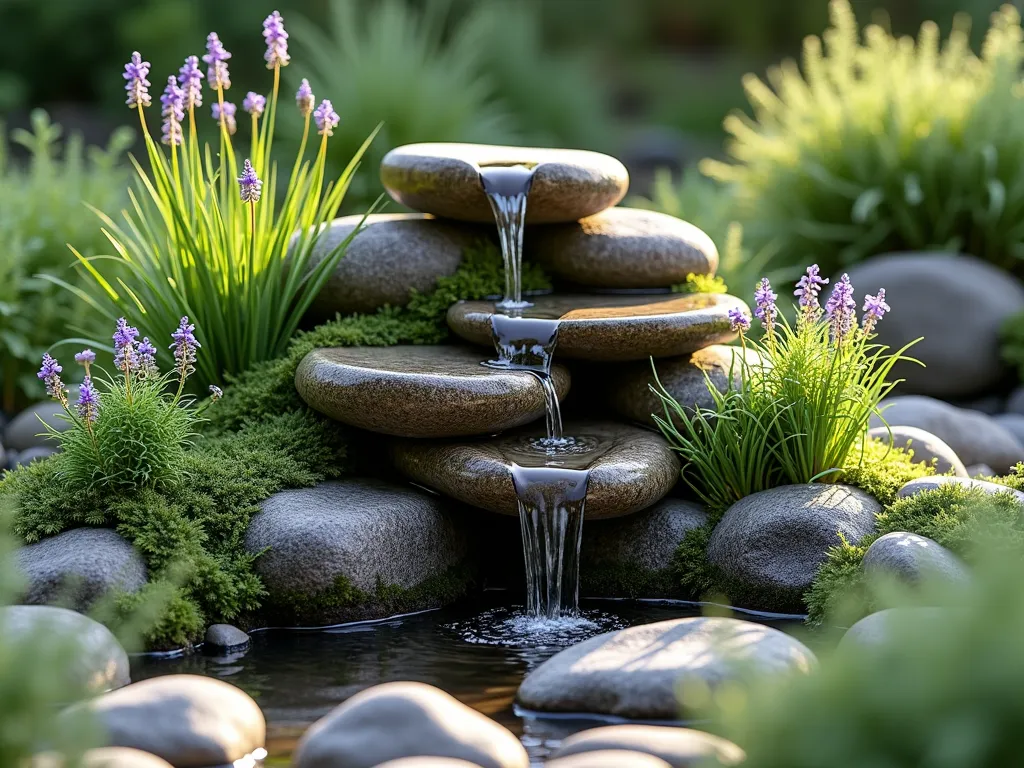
(507, 187)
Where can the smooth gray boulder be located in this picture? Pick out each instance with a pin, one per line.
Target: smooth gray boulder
(1012, 423)
(428, 762)
(26, 431)
(79, 566)
(99, 663)
(349, 538)
(103, 757)
(636, 673)
(973, 436)
(608, 758)
(226, 637)
(931, 483)
(396, 720)
(17, 459)
(958, 303)
(877, 628)
(769, 546)
(926, 447)
(679, 747)
(980, 470)
(912, 558)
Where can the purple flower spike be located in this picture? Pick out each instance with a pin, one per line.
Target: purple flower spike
(216, 393)
(125, 357)
(765, 298)
(841, 309)
(85, 357)
(254, 104)
(874, 308)
(304, 98)
(88, 400)
(326, 118)
(249, 184)
(216, 58)
(184, 346)
(808, 288)
(277, 41)
(738, 320)
(135, 72)
(147, 359)
(50, 374)
(173, 101)
(191, 79)
(226, 116)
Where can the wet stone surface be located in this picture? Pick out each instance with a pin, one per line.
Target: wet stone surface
(421, 391)
(615, 327)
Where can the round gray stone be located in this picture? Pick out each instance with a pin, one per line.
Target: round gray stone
(80, 566)
(636, 673)
(980, 470)
(960, 349)
(26, 431)
(630, 468)
(679, 747)
(397, 720)
(877, 628)
(623, 248)
(443, 179)
(188, 720)
(226, 636)
(1015, 402)
(911, 558)
(103, 757)
(428, 762)
(973, 436)
(931, 483)
(615, 328)
(365, 531)
(99, 662)
(770, 545)
(393, 255)
(925, 446)
(608, 758)
(24, 458)
(1012, 423)
(421, 391)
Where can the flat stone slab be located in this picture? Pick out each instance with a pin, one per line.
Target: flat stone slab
(616, 328)
(631, 467)
(623, 248)
(421, 391)
(442, 179)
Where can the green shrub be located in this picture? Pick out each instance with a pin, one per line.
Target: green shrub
(44, 206)
(885, 144)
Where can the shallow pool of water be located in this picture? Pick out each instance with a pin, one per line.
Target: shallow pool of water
(478, 652)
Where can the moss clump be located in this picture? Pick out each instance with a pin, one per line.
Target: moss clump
(620, 580)
(881, 470)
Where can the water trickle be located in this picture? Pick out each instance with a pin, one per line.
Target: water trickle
(507, 187)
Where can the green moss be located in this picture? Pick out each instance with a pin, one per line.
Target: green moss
(690, 563)
(620, 580)
(883, 471)
(701, 284)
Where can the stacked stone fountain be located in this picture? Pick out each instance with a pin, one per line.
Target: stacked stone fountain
(479, 421)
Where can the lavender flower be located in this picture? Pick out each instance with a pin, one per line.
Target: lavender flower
(766, 310)
(326, 118)
(277, 41)
(184, 346)
(874, 308)
(254, 104)
(88, 400)
(216, 58)
(249, 184)
(50, 374)
(216, 393)
(147, 359)
(808, 288)
(304, 98)
(190, 77)
(226, 116)
(124, 346)
(173, 101)
(85, 357)
(135, 72)
(738, 320)
(841, 309)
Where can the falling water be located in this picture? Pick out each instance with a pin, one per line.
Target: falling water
(507, 187)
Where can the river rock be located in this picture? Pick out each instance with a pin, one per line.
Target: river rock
(608, 758)
(877, 628)
(226, 637)
(679, 747)
(973, 436)
(636, 673)
(17, 459)
(421, 391)
(103, 757)
(352, 534)
(393, 255)
(926, 447)
(632, 556)
(188, 720)
(27, 431)
(630, 468)
(627, 388)
(616, 328)
(980, 470)
(769, 545)
(1012, 423)
(960, 349)
(79, 566)
(623, 248)
(911, 558)
(443, 179)
(397, 720)
(427, 762)
(98, 662)
(931, 483)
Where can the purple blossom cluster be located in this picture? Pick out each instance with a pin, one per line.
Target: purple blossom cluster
(173, 111)
(874, 308)
(125, 352)
(277, 41)
(739, 320)
(304, 98)
(88, 403)
(184, 346)
(225, 115)
(254, 103)
(326, 118)
(764, 300)
(190, 76)
(50, 374)
(135, 72)
(146, 360)
(216, 58)
(249, 184)
(841, 309)
(807, 290)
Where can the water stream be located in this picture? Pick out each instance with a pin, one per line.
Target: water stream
(507, 187)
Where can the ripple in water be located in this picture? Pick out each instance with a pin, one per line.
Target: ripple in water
(514, 628)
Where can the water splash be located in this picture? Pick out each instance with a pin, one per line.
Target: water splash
(507, 187)
(513, 628)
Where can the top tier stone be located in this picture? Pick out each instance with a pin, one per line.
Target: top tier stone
(442, 179)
